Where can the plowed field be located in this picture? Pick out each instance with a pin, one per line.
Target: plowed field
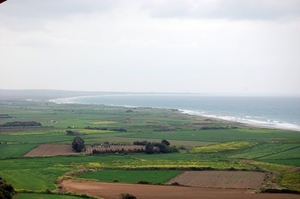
(113, 190)
(220, 179)
(50, 150)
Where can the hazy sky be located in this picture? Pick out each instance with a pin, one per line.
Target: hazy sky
(212, 46)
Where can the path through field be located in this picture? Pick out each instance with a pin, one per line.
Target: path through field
(113, 190)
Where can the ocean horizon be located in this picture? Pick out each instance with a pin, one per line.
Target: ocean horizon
(280, 112)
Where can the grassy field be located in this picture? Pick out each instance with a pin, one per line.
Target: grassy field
(227, 146)
(131, 176)
(15, 150)
(43, 196)
(241, 148)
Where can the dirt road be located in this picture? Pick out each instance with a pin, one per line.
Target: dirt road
(113, 190)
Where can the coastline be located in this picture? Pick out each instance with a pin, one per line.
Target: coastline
(240, 121)
(249, 122)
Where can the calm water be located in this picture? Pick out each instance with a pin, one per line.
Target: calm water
(275, 112)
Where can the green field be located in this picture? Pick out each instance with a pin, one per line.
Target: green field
(43, 196)
(240, 148)
(131, 176)
(227, 146)
(15, 150)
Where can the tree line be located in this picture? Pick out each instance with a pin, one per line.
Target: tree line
(106, 129)
(150, 147)
(18, 123)
(157, 147)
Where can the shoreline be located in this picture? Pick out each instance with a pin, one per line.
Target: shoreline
(249, 124)
(241, 121)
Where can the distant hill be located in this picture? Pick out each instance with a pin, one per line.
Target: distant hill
(41, 94)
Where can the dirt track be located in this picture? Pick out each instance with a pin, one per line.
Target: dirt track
(113, 190)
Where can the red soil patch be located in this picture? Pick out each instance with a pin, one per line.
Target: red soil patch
(50, 150)
(113, 190)
(220, 179)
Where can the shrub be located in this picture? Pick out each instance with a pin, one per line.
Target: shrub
(175, 184)
(143, 182)
(127, 196)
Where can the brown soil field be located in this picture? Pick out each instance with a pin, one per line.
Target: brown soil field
(220, 179)
(50, 150)
(113, 190)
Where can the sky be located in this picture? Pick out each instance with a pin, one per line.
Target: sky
(177, 46)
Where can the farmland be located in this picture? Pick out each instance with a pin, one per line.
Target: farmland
(112, 190)
(50, 150)
(252, 158)
(220, 179)
(131, 176)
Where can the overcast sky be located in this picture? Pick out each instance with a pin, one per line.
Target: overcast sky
(212, 46)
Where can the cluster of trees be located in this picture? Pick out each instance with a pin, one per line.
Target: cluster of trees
(74, 133)
(6, 190)
(217, 127)
(106, 129)
(78, 144)
(6, 116)
(156, 147)
(18, 123)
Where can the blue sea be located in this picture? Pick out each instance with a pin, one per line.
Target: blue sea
(265, 111)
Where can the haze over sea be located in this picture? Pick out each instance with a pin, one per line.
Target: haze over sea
(265, 111)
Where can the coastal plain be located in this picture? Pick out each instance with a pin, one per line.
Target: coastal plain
(40, 158)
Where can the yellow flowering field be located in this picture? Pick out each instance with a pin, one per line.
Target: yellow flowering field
(228, 146)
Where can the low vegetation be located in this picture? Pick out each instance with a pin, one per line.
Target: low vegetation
(228, 146)
(127, 196)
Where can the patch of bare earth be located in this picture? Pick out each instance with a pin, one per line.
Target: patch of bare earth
(220, 179)
(51, 150)
(113, 190)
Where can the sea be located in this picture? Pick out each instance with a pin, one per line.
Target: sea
(279, 112)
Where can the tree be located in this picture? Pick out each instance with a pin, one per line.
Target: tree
(78, 144)
(165, 142)
(149, 148)
(6, 190)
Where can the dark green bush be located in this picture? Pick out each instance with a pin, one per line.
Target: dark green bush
(127, 196)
